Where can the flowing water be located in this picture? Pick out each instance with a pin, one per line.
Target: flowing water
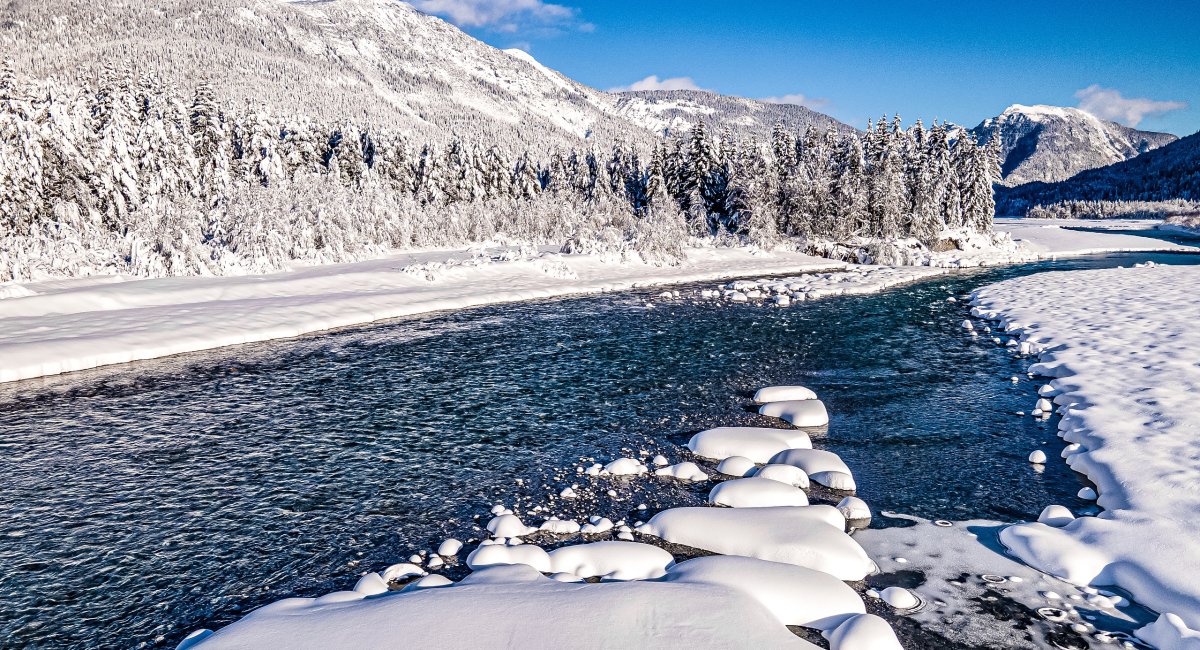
(140, 502)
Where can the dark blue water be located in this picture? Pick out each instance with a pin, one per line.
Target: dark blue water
(139, 503)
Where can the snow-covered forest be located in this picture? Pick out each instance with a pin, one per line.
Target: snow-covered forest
(1114, 209)
(130, 174)
(1166, 174)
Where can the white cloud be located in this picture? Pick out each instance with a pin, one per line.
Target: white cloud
(1108, 104)
(797, 99)
(498, 13)
(654, 83)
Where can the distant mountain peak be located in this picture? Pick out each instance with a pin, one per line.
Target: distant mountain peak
(1043, 111)
(1052, 143)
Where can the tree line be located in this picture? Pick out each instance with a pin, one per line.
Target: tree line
(130, 174)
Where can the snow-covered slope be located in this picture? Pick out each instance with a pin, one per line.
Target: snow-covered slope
(379, 61)
(1052, 143)
(375, 61)
(1168, 173)
(672, 111)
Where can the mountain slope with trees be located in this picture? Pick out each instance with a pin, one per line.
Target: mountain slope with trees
(218, 137)
(378, 62)
(1053, 143)
(669, 112)
(1169, 173)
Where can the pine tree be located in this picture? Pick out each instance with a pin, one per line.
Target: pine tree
(525, 177)
(848, 191)
(21, 157)
(114, 127)
(212, 153)
(886, 187)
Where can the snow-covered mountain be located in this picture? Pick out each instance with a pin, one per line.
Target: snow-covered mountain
(1053, 143)
(1168, 173)
(672, 111)
(379, 61)
(376, 61)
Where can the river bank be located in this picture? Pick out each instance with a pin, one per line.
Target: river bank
(57, 326)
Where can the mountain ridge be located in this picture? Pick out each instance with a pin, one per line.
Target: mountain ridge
(1053, 143)
(379, 61)
(1166, 173)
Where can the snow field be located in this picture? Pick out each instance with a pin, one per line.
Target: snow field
(780, 560)
(71, 325)
(1119, 346)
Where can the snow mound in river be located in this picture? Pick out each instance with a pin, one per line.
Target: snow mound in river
(612, 560)
(783, 394)
(757, 444)
(756, 493)
(798, 413)
(824, 467)
(492, 607)
(808, 536)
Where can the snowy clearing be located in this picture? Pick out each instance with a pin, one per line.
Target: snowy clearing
(1121, 346)
(1068, 237)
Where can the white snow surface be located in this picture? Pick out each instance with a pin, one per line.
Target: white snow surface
(795, 595)
(808, 536)
(756, 493)
(501, 554)
(612, 560)
(78, 324)
(824, 467)
(509, 526)
(685, 471)
(625, 467)
(736, 466)
(1062, 237)
(1170, 633)
(788, 474)
(756, 443)
(1121, 345)
(782, 394)
(864, 632)
(798, 413)
(517, 607)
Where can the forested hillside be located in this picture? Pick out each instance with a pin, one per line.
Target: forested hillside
(1169, 173)
(133, 173)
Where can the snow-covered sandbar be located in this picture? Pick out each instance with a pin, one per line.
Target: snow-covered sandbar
(1121, 345)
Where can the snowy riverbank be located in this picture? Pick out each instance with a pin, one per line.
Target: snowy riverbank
(75, 325)
(52, 327)
(1121, 346)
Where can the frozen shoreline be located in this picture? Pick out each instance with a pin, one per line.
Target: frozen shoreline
(1120, 345)
(52, 327)
(78, 325)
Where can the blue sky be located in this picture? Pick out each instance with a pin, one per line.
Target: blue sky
(1132, 62)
